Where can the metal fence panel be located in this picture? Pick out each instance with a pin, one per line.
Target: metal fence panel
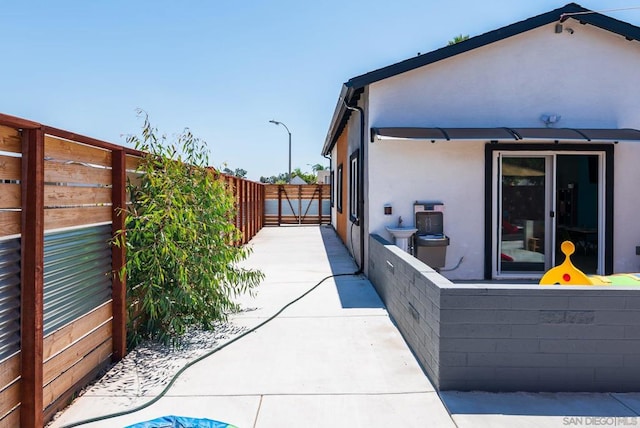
(9, 297)
(306, 207)
(326, 207)
(290, 207)
(271, 207)
(77, 274)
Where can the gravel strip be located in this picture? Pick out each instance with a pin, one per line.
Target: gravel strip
(146, 370)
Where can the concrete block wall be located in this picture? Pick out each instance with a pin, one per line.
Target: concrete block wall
(533, 338)
(510, 337)
(408, 288)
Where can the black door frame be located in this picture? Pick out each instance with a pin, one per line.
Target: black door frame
(489, 150)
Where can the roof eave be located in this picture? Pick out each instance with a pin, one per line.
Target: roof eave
(338, 111)
(624, 29)
(356, 84)
(340, 117)
(465, 46)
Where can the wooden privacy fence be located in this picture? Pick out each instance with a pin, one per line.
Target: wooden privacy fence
(250, 205)
(62, 310)
(297, 204)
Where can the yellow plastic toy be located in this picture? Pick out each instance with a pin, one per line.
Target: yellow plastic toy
(567, 274)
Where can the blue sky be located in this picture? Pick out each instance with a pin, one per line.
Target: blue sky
(224, 68)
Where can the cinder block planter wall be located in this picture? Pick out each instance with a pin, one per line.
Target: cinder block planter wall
(506, 337)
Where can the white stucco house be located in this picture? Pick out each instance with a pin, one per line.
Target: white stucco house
(527, 135)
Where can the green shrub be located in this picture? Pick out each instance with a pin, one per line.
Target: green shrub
(182, 267)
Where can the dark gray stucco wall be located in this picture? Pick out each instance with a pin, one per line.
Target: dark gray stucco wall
(510, 337)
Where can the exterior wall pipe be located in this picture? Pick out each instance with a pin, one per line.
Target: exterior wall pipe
(331, 184)
(361, 215)
(328, 157)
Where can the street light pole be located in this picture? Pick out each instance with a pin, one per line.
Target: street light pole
(275, 122)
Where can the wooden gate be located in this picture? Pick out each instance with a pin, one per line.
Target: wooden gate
(297, 204)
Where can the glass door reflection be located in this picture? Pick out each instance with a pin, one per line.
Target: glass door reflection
(523, 204)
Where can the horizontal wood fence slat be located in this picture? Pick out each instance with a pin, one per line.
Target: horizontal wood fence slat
(10, 370)
(10, 139)
(9, 223)
(61, 339)
(58, 196)
(63, 150)
(10, 168)
(132, 162)
(12, 419)
(10, 195)
(77, 174)
(10, 390)
(58, 218)
(58, 364)
(64, 383)
(9, 399)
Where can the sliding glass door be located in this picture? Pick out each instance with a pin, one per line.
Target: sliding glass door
(542, 199)
(523, 207)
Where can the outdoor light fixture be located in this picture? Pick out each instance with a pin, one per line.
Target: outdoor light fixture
(550, 119)
(275, 122)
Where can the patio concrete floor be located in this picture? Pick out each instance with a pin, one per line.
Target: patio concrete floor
(333, 359)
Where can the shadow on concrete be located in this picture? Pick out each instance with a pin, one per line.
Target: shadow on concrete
(355, 291)
(541, 404)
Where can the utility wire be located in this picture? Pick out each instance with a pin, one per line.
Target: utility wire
(564, 16)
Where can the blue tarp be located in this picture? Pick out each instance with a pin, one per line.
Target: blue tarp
(181, 422)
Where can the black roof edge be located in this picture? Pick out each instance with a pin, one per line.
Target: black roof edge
(341, 116)
(354, 87)
(467, 45)
(624, 29)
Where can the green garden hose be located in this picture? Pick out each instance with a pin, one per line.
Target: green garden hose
(200, 358)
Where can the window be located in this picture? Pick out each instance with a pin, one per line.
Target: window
(354, 188)
(339, 189)
(332, 189)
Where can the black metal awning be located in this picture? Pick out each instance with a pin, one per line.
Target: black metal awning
(506, 134)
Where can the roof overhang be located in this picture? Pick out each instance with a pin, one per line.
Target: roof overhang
(341, 115)
(354, 87)
(505, 134)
